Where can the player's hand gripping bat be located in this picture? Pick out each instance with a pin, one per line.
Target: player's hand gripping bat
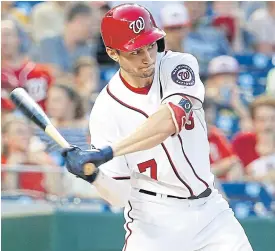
(33, 112)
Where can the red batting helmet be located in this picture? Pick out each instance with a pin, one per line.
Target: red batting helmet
(128, 27)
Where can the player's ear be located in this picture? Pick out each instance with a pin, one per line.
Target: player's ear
(112, 53)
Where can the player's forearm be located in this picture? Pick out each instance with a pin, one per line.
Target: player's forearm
(114, 191)
(153, 132)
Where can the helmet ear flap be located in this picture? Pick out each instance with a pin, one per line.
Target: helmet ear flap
(161, 45)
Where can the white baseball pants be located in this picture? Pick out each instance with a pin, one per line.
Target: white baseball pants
(158, 223)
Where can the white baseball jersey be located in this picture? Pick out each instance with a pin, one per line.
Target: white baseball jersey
(180, 165)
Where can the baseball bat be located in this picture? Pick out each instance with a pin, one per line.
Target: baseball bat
(33, 111)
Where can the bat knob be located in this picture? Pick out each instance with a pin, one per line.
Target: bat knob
(89, 169)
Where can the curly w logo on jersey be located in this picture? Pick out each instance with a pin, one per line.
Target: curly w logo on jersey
(138, 25)
(183, 75)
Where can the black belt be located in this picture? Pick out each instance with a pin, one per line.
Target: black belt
(204, 194)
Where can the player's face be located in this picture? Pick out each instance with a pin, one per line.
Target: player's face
(264, 119)
(139, 63)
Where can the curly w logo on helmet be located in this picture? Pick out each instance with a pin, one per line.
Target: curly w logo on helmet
(138, 25)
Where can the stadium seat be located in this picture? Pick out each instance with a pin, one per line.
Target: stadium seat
(252, 83)
(248, 199)
(255, 61)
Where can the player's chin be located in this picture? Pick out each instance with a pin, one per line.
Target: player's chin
(148, 73)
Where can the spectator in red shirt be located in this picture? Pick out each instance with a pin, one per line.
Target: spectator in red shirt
(224, 163)
(20, 148)
(253, 145)
(17, 70)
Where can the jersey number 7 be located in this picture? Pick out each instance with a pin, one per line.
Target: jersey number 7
(152, 164)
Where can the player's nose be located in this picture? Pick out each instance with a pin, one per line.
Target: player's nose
(147, 57)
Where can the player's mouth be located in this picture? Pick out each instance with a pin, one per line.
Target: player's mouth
(148, 67)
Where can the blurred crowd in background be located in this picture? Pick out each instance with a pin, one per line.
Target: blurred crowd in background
(54, 50)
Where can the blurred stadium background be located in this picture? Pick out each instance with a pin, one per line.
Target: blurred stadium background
(54, 51)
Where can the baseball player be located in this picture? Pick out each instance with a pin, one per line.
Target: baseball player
(149, 129)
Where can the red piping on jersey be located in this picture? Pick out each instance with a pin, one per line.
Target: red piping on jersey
(162, 144)
(127, 226)
(124, 104)
(122, 178)
(175, 170)
(141, 90)
(190, 164)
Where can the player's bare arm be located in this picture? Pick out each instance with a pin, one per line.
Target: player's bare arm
(167, 121)
(154, 131)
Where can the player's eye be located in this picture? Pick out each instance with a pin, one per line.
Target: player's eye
(134, 52)
(151, 46)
